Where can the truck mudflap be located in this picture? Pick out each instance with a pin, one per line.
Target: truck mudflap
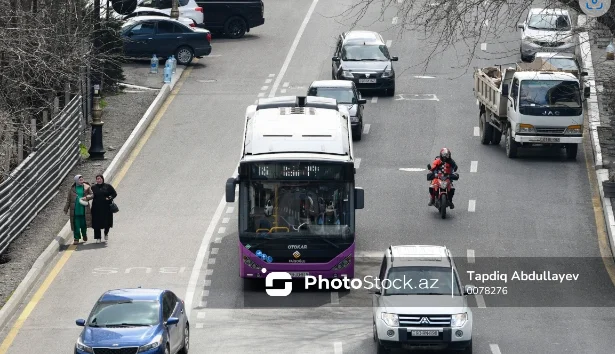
(532, 139)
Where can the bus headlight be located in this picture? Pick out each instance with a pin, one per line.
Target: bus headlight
(250, 264)
(343, 264)
(574, 129)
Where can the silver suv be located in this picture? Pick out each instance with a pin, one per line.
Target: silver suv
(419, 301)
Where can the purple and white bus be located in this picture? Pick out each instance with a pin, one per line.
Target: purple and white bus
(297, 194)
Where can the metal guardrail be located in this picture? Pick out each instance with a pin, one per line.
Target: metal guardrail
(35, 181)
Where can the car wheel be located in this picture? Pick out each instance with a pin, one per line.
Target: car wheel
(186, 347)
(184, 55)
(235, 27)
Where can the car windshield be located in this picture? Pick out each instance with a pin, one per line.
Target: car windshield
(365, 52)
(563, 63)
(549, 22)
(125, 313)
(550, 93)
(342, 95)
(420, 281)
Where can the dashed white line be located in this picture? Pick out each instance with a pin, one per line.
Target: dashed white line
(424, 77)
(205, 293)
(229, 210)
(286, 84)
(394, 20)
(207, 283)
(222, 230)
(212, 261)
(400, 1)
(357, 162)
(337, 348)
(474, 166)
(389, 42)
(226, 220)
(374, 99)
(480, 302)
(202, 304)
(261, 95)
(366, 128)
(209, 272)
(476, 131)
(200, 315)
(495, 349)
(214, 250)
(412, 169)
(472, 206)
(483, 46)
(335, 298)
(268, 81)
(470, 256)
(199, 325)
(271, 75)
(218, 240)
(283, 90)
(264, 88)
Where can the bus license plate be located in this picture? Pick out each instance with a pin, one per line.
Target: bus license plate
(298, 275)
(425, 333)
(549, 140)
(367, 81)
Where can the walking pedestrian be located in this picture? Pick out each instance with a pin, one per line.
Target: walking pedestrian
(102, 217)
(77, 202)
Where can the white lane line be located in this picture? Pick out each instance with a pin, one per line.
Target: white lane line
(202, 304)
(337, 348)
(199, 325)
(218, 240)
(374, 99)
(286, 84)
(357, 162)
(369, 254)
(293, 47)
(470, 256)
(400, 1)
(283, 91)
(412, 169)
(389, 42)
(209, 272)
(200, 315)
(476, 131)
(207, 283)
(335, 298)
(226, 220)
(474, 166)
(229, 210)
(205, 293)
(366, 128)
(394, 20)
(271, 75)
(261, 95)
(472, 206)
(495, 349)
(212, 261)
(264, 88)
(222, 230)
(424, 77)
(480, 302)
(214, 250)
(268, 81)
(483, 46)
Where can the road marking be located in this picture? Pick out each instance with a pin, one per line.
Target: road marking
(286, 84)
(261, 94)
(413, 169)
(470, 256)
(337, 348)
(199, 325)
(229, 210)
(205, 293)
(271, 75)
(147, 270)
(293, 47)
(209, 271)
(225, 220)
(389, 43)
(476, 131)
(264, 88)
(474, 166)
(366, 128)
(483, 46)
(394, 20)
(200, 315)
(472, 206)
(214, 250)
(38, 295)
(417, 97)
(480, 301)
(207, 283)
(283, 91)
(400, 1)
(425, 77)
(268, 81)
(495, 349)
(222, 230)
(256, 102)
(212, 261)
(335, 298)
(357, 162)
(374, 99)
(202, 304)
(218, 240)
(485, 23)
(599, 88)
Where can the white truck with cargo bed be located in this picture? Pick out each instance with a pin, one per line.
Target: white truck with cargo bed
(531, 105)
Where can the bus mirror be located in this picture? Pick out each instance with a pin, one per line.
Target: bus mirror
(230, 190)
(359, 198)
(586, 92)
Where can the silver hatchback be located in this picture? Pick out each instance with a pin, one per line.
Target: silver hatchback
(546, 30)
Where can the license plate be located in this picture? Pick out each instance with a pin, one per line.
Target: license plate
(367, 81)
(298, 275)
(549, 49)
(425, 333)
(549, 140)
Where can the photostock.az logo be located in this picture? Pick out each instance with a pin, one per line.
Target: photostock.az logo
(595, 8)
(288, 285)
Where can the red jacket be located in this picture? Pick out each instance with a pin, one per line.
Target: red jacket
(448, 167)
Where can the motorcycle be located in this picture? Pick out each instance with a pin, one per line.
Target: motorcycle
(442, 186)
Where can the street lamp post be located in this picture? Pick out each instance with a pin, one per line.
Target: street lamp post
(174, 9)
(97, 152)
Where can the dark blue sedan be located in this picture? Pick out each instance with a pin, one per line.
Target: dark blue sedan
(131, 321)
(145, 36)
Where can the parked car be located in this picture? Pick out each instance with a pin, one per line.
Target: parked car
(151, 321)
(155, 12)
(234, 18)
(187, 8)
(546, 30)
(145, 36)
(346, 94)
(565, 62)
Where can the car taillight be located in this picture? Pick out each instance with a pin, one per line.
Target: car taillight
(209, 37)
(199, 9)
(192, 24)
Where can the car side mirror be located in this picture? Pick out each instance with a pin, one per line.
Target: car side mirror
(359, 198)
(520, 25)
(394, 58)
(586, 92)
(362, 101)
(80, 322)
(505, 90)
(335, 59)
(230, 190)
(172, 321)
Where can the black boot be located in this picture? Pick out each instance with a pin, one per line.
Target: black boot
(431, 201)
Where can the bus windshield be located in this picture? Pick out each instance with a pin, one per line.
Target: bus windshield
(549, 93)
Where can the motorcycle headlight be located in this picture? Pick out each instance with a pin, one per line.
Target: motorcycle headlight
(390, 319)
(525, 128)
(459, 319)
(388, 73)
(347, 74)
(82, 347)
(574, 129)
(151, 345)
(443, 184)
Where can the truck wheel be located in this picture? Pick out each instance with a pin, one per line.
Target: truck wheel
(497, 136)
(511, 145)
(486, 130)
(571, 151)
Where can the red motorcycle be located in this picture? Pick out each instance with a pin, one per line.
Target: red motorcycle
(442, 187)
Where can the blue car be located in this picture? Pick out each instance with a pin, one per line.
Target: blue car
(131, 321)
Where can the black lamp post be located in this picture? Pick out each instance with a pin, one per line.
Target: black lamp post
(97, 152)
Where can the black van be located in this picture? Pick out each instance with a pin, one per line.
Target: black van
(233, 17)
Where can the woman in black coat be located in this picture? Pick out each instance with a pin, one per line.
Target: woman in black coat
(102, 217)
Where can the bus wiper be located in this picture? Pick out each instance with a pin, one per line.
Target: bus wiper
(329, 242)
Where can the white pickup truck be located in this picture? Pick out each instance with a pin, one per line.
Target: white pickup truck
(532, 105)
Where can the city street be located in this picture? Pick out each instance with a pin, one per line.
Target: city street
(175, 231)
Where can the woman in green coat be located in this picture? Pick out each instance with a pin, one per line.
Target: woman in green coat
(80, 215)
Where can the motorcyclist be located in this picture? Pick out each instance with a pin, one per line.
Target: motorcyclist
(448, 165)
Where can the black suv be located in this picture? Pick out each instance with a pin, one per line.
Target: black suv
(234, 18)
(363, 57)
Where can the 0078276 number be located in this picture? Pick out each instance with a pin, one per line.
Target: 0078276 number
(487, 290)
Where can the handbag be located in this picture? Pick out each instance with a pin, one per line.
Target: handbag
(113, 207)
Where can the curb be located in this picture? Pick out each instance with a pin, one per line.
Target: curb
(593, 114)
(40, 265)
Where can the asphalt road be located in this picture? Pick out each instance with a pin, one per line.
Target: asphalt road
(535, 206)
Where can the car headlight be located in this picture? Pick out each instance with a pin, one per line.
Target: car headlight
(525, 128)
(151, 345)
(347, 74)
(390, 319)
(388, 73)
(459, 319)
(83, 347)
(574, 129)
